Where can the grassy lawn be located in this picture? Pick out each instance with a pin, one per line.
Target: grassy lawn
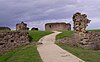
(36, 35)
(93, 30)
(26, 53)
(85, 54)
(70, 33)
(64, 34)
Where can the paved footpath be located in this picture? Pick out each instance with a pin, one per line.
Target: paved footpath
(50, 52)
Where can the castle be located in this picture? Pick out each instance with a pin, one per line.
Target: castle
(21, 26)
(59, 26)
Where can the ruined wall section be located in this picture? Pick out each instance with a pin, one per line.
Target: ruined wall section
(85, 39)
(90, 40)
(10, 40)
(21, 26)
(81, 37)
(80, 22)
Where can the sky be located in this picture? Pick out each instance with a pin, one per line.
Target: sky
(36, 13)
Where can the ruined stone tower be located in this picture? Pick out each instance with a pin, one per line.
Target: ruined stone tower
(80, 22)
(21, 26)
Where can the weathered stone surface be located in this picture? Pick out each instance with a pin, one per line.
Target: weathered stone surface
(81, 37)
(58, 26)
(89, 40)
(10, 40)
(21, 26)
(80, 22)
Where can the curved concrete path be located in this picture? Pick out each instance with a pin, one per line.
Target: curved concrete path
(50, 52)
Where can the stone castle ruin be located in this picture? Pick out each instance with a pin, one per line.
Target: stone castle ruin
(85, 39)
(21, 26)
(80, 22)
(57, 26)
(5, 28)
(81, 37)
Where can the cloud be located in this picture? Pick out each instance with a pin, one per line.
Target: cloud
(95, 24)
(38, 12)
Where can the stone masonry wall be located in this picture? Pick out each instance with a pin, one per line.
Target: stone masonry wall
(58, 26)
(81, 37)
(10, 40)
(90, 40)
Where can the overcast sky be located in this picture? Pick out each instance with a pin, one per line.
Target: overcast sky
(38, 12)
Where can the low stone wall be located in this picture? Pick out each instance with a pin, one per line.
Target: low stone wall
(10, 40)
(89, 40)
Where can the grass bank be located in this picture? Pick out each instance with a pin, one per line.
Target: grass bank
(26, 53)
(36, 35)
(85, 54)
(64, 34)
(94, 30)
(70, 33)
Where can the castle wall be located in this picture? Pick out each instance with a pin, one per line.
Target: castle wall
(90, 40)
(57, 26)
(81, 37)
(10, 40)
(21, 26)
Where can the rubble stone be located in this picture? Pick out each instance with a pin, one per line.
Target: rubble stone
(10, 40)
(81, 37)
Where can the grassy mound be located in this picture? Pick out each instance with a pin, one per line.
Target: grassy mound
(36, 35)
(64, 34)
(26, 53)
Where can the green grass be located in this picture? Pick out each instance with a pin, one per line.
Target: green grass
(70, 33)
(26, 53)
(93, 30)
(36, 35)
(85, 54)
(64, 34)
